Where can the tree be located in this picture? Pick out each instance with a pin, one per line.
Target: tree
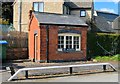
(6, 11)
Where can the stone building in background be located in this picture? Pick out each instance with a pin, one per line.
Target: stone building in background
(83, 9)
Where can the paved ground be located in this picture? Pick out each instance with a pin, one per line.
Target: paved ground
(5, 75)
(99, 77)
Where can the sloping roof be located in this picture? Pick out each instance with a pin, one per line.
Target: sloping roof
(59, 19)
(7, 0)
(116, 23)
(102, 24)
(108, 16)
(79, 4)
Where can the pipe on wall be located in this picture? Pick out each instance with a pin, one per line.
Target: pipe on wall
(47, 43)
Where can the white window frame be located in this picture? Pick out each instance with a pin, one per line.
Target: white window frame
(38, 6)
(73, 35)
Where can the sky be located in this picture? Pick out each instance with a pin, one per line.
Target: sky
(107, 5)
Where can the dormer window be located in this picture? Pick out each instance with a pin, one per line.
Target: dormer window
(38, 6)
(66, 10)
(82, 13)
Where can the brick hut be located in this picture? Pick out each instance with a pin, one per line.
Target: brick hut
(56, 37)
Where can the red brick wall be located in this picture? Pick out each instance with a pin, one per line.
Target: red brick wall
(33, 27)
(16, 53)
(43, 47)
(53, 43)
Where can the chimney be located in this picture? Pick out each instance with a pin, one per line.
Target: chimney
(30, 18)
(30, 14)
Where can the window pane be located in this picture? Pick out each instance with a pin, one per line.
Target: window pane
(68, 42)
(76, 42)
(64, 9)
(83, 13)
(68, 11)
(58, 46)
(41, 7)
(77, 38)
(66, 38)
(62, 38)
(35, 4)
(58, 38)
(60, 42)
(62, 46)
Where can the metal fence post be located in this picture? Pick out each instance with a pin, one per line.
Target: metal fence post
(26, 74)
(12, 70)
(70, 70)
(104, 67)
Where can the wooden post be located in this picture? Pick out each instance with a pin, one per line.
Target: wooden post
(104, 67)
(26, 74)
(70, 70)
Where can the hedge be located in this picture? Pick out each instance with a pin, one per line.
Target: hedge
(107, 58)
(103, 44)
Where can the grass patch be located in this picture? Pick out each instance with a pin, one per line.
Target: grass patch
(107, 58)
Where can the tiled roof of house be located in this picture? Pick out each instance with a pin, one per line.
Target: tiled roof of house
(7, 0)
(79, 4)
(108, 16)
(102, 24)
(59, 19)
(116, 23)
